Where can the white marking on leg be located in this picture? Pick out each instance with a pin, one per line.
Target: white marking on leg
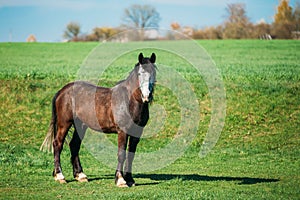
(60, 178)
(121, 182)
(81, 177)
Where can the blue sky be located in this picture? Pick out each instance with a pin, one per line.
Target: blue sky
(47, 19)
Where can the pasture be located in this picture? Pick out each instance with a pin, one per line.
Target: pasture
(256, 157)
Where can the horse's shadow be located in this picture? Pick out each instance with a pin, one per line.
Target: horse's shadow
(158, 178)
(196, 177)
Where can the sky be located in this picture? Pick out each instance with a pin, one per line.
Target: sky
(47, 19)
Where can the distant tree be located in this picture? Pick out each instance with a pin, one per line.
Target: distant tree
(261, 30)
(211, 33)
(284, 12)
(283, 25)
(72, 31)
(296, 13)
(187, 31)
(141, 17)
(175, 26)
(199, 34)
(296, 16)
(103, 33)
(31, 38)
(175, 33)
(237, 24)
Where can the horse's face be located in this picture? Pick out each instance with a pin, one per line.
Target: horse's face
(146, 76)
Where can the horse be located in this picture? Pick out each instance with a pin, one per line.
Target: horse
(122, 109)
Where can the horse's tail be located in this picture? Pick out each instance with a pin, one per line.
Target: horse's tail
(48, 141)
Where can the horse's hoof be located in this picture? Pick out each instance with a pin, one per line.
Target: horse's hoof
(131, 184)
(81, 177)
(129, 180)
(62, 181)
(60, 178)
(121, 183)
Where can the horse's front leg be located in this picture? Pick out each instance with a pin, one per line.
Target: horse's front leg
(133, 141)
(122, 143)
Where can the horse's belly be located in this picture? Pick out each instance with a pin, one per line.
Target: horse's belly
(108, 130)
(101, 126)
(107, 125)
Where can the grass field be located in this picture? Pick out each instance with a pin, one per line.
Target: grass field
(256, 157)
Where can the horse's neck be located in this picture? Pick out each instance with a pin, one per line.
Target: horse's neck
(132, 86)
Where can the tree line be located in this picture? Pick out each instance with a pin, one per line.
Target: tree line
(236, 25)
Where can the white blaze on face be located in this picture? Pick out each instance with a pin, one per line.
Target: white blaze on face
(144, 78)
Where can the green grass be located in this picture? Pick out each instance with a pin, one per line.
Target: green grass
(256, 157)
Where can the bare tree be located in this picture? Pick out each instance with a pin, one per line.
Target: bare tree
(296, 15)
(141, 17)
(72, 31)
(237, 24)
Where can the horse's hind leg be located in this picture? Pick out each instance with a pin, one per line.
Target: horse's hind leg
(58, 147)
(75, 147)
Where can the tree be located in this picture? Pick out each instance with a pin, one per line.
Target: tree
(72, 31)
(237, 24)
(102, 33)
(296, 15)
(175, 33)
(141, 17)
(175, 26)
(31, 38)
(211, 33)
(284, 12)
(283, 21)
(261, 30)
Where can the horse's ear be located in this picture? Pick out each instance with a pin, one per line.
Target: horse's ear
(141, 57)
(153, 58)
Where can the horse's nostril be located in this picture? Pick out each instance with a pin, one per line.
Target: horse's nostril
(145, 99)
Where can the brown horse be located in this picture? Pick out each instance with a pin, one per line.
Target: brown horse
(122, 109)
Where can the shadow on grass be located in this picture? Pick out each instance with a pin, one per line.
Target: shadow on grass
(111, 177)
(92, 178)
(196, 177)
(188, 177)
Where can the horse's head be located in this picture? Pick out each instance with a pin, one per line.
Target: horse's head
(146, 76)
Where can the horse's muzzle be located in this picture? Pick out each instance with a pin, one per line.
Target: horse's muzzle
(145, 99)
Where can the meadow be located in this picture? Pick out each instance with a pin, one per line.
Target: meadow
(256, 156)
